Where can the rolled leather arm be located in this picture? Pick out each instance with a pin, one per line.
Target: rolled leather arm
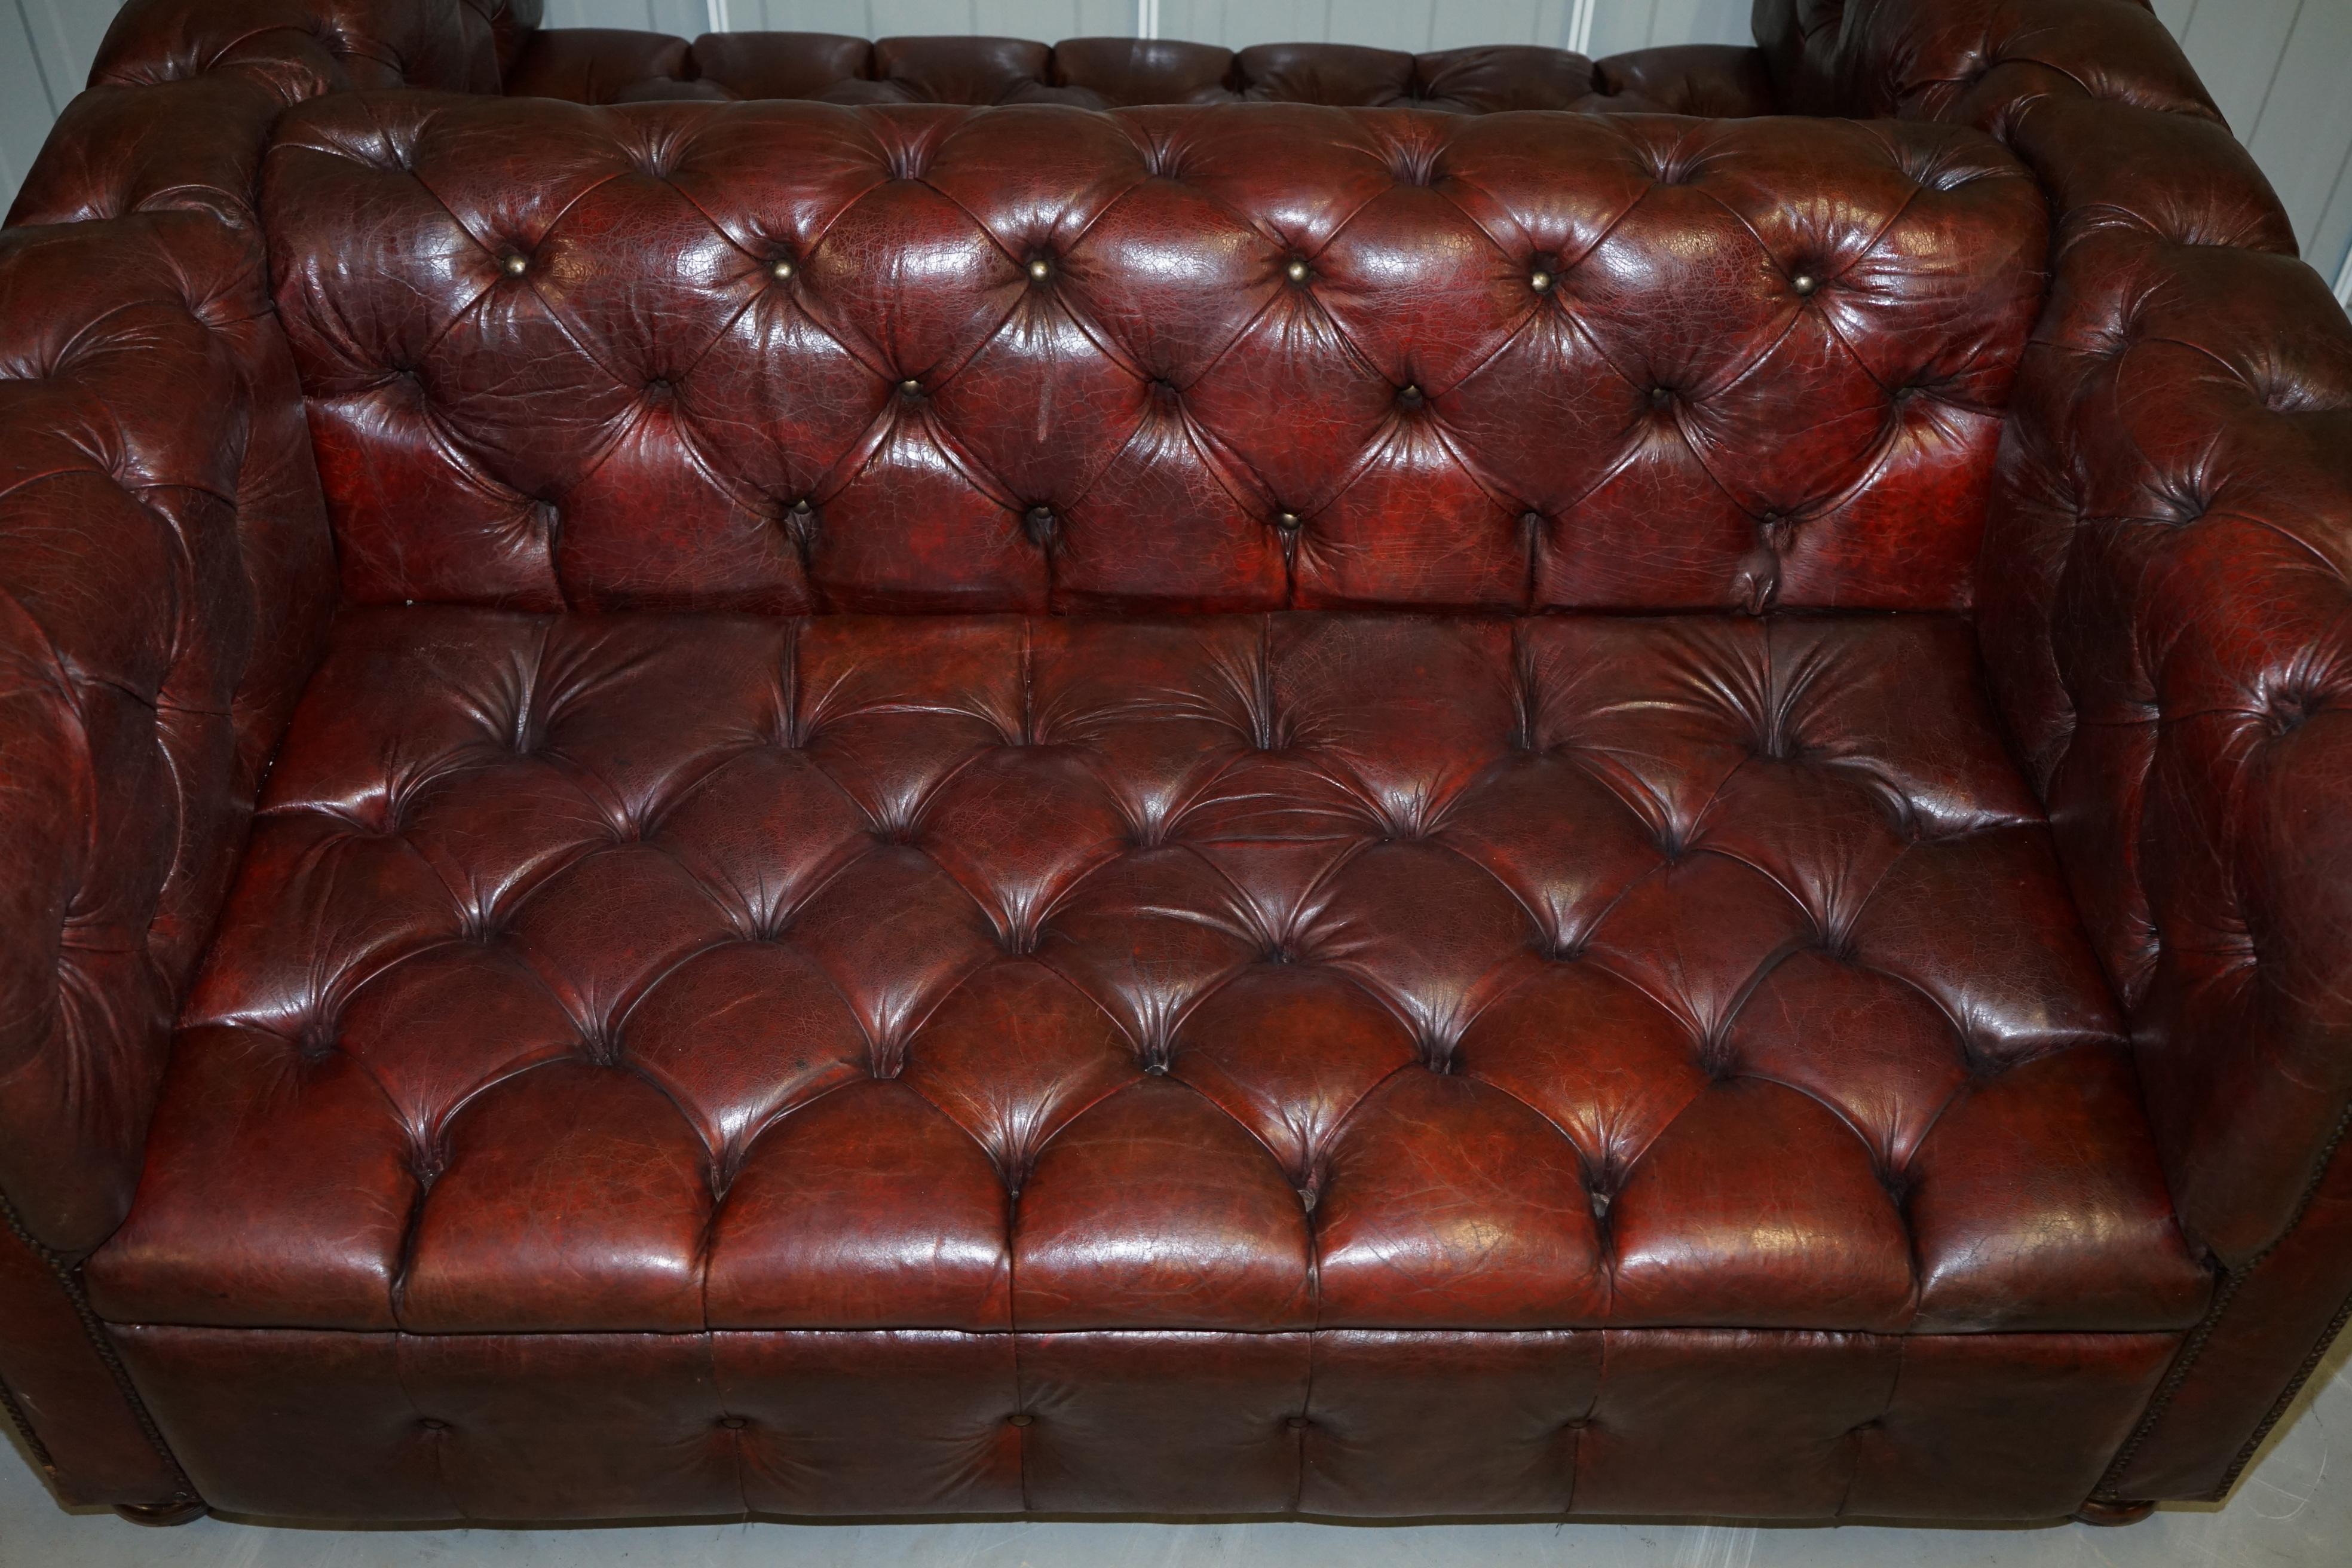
(2167, 619)
(165, 577)
(2165, 616)
(182, 93)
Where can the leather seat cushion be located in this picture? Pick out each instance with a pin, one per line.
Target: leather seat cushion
(1254, 972)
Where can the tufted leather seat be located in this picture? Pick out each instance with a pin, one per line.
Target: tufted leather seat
(1320, 798)
(629, 973)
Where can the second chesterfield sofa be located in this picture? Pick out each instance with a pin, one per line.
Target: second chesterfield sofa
(840, 810)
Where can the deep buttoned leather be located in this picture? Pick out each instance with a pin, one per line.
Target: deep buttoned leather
(2162, 608)
(1366, 1423)
(1232, 972)
(546, 406)
(1415, 903)
(615, 66)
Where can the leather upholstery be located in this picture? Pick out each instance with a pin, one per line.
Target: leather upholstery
(167, 579)
(1069, 410)
(1329, 944)
(2164, 604)
(2158, 607)
(611, 65)
(1368, 1422)
(1720, 81)
(64, 1391)
(182, 93)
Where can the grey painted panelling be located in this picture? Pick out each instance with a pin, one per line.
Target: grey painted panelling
(681, 18)
(1619, 27)
(1237, 24)
(2277, 68)
(26, 105)
(2303, 136)
(1049, 19)
(2238, 44)
(65, 35)
(1411, 25)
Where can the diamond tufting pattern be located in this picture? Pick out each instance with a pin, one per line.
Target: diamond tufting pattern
(1038, 360)
(1399, 936)
(635, 973)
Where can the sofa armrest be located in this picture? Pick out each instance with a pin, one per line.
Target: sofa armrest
(165, 580)
(2166, 620)
(182, 93)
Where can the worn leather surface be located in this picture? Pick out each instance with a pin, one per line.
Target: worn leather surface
(2158, 602)
(182, 92)
(1423, 360)
(1379, 1423)
(2164, 614)
(1380, 971)
(613, 65)
(167, 579)
(167, 584)
(56, 1389)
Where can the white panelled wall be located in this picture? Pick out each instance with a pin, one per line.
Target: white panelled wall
(2281, 69)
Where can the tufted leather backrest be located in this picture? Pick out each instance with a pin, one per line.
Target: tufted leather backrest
(1105, 73)
(791, 356)
(605, 65)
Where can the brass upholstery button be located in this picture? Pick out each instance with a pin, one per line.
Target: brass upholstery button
(1296, 271)
(912, 387)
(1540, 281)
(1805, 283)
(780, 269)
(1023, 1420)
(516, 263)
(1287, 521)
(733, 1423)
(1040, 269)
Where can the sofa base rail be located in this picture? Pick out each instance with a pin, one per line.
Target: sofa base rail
(1721, 1423)
(65, 1391)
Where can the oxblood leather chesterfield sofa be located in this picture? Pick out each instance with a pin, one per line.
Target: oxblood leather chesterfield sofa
(1397, 809)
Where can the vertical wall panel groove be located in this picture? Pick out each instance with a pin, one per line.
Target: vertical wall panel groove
(28, 102)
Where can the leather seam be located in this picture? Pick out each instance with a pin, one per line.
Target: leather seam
(2197, 1339)
(95, 1332)
(24, 1425)
(2294, 1386)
